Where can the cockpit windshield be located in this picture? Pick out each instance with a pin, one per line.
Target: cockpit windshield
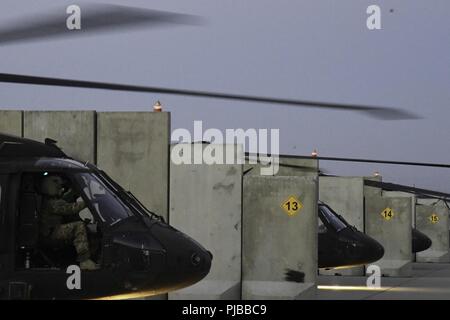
(127, 196)
(109, 207)
(332, 218)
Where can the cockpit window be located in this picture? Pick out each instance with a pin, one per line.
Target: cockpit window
(322, 228)
(108, 206)
(332, 218)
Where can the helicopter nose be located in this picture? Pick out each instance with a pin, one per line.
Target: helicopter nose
(187, 262)
(420, 241)
(373, 250)
(377, 249)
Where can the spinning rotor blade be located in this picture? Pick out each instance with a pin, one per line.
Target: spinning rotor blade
(95, 18)
(384, 113)
(404, 163)
(398, 187)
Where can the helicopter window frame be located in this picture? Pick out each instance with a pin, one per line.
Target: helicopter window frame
(337, 220)
(321, 226)
(106, 221)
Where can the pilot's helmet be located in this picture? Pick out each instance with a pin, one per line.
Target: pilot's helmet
(52, 185)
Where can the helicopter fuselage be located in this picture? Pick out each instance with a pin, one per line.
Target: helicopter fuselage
(137, 251)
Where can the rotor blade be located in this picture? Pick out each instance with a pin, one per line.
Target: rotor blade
(94, 18)
(376, 112)
(404, 163)
(398, 187)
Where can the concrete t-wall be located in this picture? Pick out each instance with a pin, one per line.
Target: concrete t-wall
(373, 191)
(395, 234)
(206, 203)
(11, 122)
(74, 131)
(133, 148)
(345, 195)
(288, 166)
(274, 242)
(436, 229)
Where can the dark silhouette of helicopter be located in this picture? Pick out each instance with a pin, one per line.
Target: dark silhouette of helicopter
(420, 241)
(341, 245)
(136, 250)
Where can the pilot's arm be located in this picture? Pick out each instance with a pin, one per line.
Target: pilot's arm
(70, 195)
(64, 208)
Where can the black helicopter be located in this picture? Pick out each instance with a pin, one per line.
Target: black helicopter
(420, 241)
(136, 250)
(342, 245)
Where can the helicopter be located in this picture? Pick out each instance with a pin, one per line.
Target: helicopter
(137, 250)
(420, 241)
(342, 245)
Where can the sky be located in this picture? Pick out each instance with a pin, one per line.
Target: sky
(309, 50)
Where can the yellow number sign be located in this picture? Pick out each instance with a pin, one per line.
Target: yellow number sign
(434, 218)
(292, 206)
(387, 214)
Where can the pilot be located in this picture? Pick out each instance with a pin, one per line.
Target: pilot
(57, 206)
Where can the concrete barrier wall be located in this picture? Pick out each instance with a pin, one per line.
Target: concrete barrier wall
(373, 191)
(74, 131)
(287, 167)
(11, 122)
(274, 242)
(133, 148)
(432, 219)
(298, 167)
(206, 203)
(345, 195)
(394, 233)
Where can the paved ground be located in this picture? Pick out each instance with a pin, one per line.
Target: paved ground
(430, 281)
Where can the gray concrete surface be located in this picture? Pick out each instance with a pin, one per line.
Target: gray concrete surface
(288, 167)
(74, 131)
(373, 191)
(133, 148)
(394, 233)
(274, 241)
(432, 219)
(206, 203)
(410, 196)
(11, 122)
(346, 196)
(298, 167)
(428, 282)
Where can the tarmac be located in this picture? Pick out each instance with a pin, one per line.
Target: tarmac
(429, 281)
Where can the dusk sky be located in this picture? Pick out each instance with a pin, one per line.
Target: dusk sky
(310, 50)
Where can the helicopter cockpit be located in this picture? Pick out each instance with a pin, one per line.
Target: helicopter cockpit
(328, 219)
(107, 205)
(37, 250)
